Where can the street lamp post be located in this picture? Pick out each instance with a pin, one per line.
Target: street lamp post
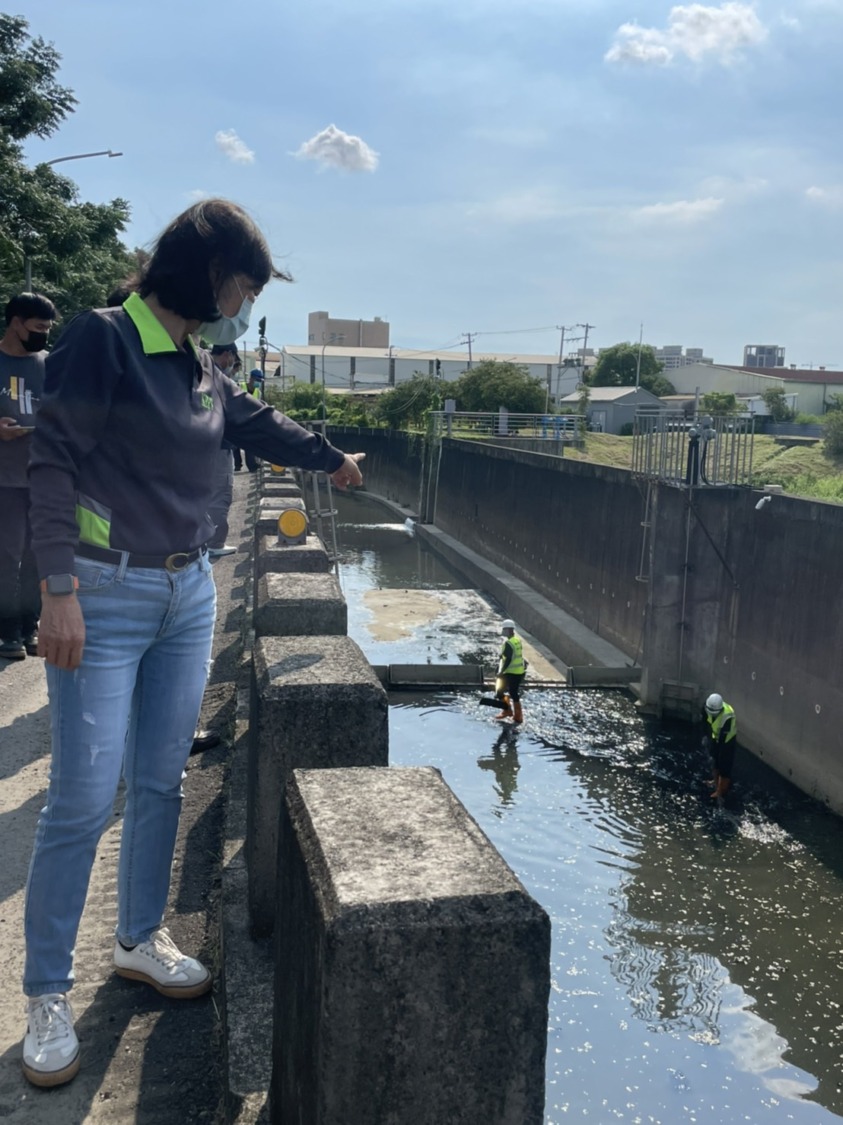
(27, 261)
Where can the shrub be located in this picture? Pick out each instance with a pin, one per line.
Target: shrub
(776, 403)
(833, 441)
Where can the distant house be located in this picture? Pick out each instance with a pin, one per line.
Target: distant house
(611, 408)
(812, 389)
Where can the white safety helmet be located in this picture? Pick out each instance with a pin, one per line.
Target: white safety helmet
(507, 625)
(714, 704)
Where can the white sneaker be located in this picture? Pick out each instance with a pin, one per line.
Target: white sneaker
(219, 552)
(50, 1047)
(159, 962)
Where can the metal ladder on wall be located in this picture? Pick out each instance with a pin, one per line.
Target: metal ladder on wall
(645, 565)
(318, 496)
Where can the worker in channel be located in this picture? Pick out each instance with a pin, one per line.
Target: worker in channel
(720, 741)
(512, 667)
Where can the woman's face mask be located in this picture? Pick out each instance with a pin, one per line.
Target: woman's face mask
(228, 328)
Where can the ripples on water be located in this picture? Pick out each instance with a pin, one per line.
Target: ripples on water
(697, 951)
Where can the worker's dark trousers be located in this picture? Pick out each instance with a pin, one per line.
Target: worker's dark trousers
(20, 597)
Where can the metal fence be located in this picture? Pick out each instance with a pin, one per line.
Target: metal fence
(548, 427)
(709, 451)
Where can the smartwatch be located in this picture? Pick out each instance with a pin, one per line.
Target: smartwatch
(59, 585)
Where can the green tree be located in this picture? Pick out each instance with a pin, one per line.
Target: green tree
(834, 402)
(718, 403)
(833, 440)
(776, 403)
(493, 383)
(302, 402)
(617, 366)
(409, 403)
(76, 254)
(31, 101)
(299, 400)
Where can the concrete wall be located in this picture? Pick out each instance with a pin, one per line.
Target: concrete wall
(393, 464)
(762, 622)
(736, 600)
(570, 530)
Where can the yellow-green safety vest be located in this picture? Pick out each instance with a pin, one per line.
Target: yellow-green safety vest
(716, 722)
(516, 666)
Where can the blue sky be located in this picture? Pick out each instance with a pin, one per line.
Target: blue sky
(494, 166)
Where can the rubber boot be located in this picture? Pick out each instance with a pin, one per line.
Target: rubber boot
(506, 713)
(723, 786)
(518, 716)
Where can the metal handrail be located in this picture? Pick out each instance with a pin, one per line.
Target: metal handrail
(547, 427)
(678, 450)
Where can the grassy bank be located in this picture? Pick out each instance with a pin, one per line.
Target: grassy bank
(801, 471)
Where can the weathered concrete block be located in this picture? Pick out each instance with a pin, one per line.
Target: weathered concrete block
(413, 969)
(272, 557)
(266, 521)
(315, 703)
(280, 488)
(299, 605)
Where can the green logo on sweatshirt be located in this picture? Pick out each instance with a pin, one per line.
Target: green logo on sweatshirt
(208, 402)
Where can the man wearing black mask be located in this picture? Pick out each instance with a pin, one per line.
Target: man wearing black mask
(29, 318)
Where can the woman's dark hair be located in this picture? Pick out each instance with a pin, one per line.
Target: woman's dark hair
(121, 292)
(209, 242)
(29, 306)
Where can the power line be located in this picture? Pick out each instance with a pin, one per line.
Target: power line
(517, 331)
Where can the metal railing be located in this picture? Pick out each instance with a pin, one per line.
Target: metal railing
(709, 451)
(318, 496)
(541, 427)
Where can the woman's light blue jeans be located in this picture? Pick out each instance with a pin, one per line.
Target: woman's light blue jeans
(130, 707)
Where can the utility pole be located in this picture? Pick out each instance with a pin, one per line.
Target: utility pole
(586, 328)
(562, 329)
(638, 363)
(468, 337)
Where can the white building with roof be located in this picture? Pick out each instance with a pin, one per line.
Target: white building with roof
(376, 368)
(809, 390)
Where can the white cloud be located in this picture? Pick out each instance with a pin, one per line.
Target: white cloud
(236, 150)
(694, 31)
(684, 212)
(829, 197)
(197, 194)
(332, 148)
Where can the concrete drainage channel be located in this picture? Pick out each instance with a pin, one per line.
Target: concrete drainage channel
(660, 973)
(373, 901)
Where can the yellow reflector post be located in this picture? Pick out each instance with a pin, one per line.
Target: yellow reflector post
(280, 470)
(292, 526)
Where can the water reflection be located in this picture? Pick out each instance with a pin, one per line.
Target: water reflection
(504, 764)
(716, 932)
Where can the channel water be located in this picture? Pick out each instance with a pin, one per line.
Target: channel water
(697, 956)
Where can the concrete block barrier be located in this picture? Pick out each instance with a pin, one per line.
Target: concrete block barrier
(299, 605)
(266, 521)
(412, 967)
(272, 557)
(280, 488)
(315, 703)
